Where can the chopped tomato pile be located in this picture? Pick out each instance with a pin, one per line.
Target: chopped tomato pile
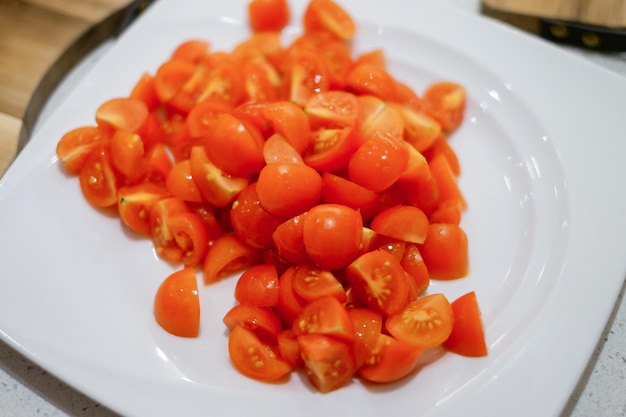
(325, 181)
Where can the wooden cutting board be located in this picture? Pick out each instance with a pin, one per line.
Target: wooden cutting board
(40, 40)
(593, 24)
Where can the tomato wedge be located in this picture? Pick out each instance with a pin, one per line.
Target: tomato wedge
(261, 320)
(325, 315)
(98, 180)
(258, 286)
(378, 280)
(135, 202)
(177, 304)
(332, 235)
(253, 358)
(328, 361)
(367, 325)
(333, 109)
(76, 145)
(311, 283)
(424, 323)
(445, 251)
(268, 15)
(288, 189)
(122, 113)
(228, 254)
(468, 335)
(390, 360)
(326, 15)
(406, 223)
(378, 163)
(331, 149)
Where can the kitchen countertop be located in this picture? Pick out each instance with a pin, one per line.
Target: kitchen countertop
(28, 390)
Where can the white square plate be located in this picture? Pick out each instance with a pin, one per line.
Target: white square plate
(542, 153)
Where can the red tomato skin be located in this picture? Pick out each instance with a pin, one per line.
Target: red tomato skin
(390, 361)
(268, 15)
(367, 325)
(98, 180)
(258, 286)
(177, 305)
(261, 320)
(288, 189)
(340, 190)
(289, 349)
(289, 120)
(332, 235)
(468, 336)
(180, 182)
(251, 221)
(406, 223)
(378, 163)
(289, 304)
(289, 241)
(445, 251)
(234, 146)
(414, 265)
(228, 254)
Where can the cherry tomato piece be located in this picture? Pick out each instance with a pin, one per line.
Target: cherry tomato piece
(406, 223)
(234, 146)
(287, 189)
(424, 323)
(76, 145)
(328, 361)
(268, 15)
(258, 286)
(177, 304)
(445, 251)
(98, 180)
(122, 113)
(326, 15)
(378, 163)
(135, 202)
(332, 235)
(311, 283)
(390, 360)
(378, 280)
(445, 102)
(468, 335)
(191, 236)
(228, 254)
(331, 149)
(261, 320)
(253, 358)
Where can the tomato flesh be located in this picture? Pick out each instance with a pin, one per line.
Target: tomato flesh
(424, 323)
(328, 362)
(253, 358)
